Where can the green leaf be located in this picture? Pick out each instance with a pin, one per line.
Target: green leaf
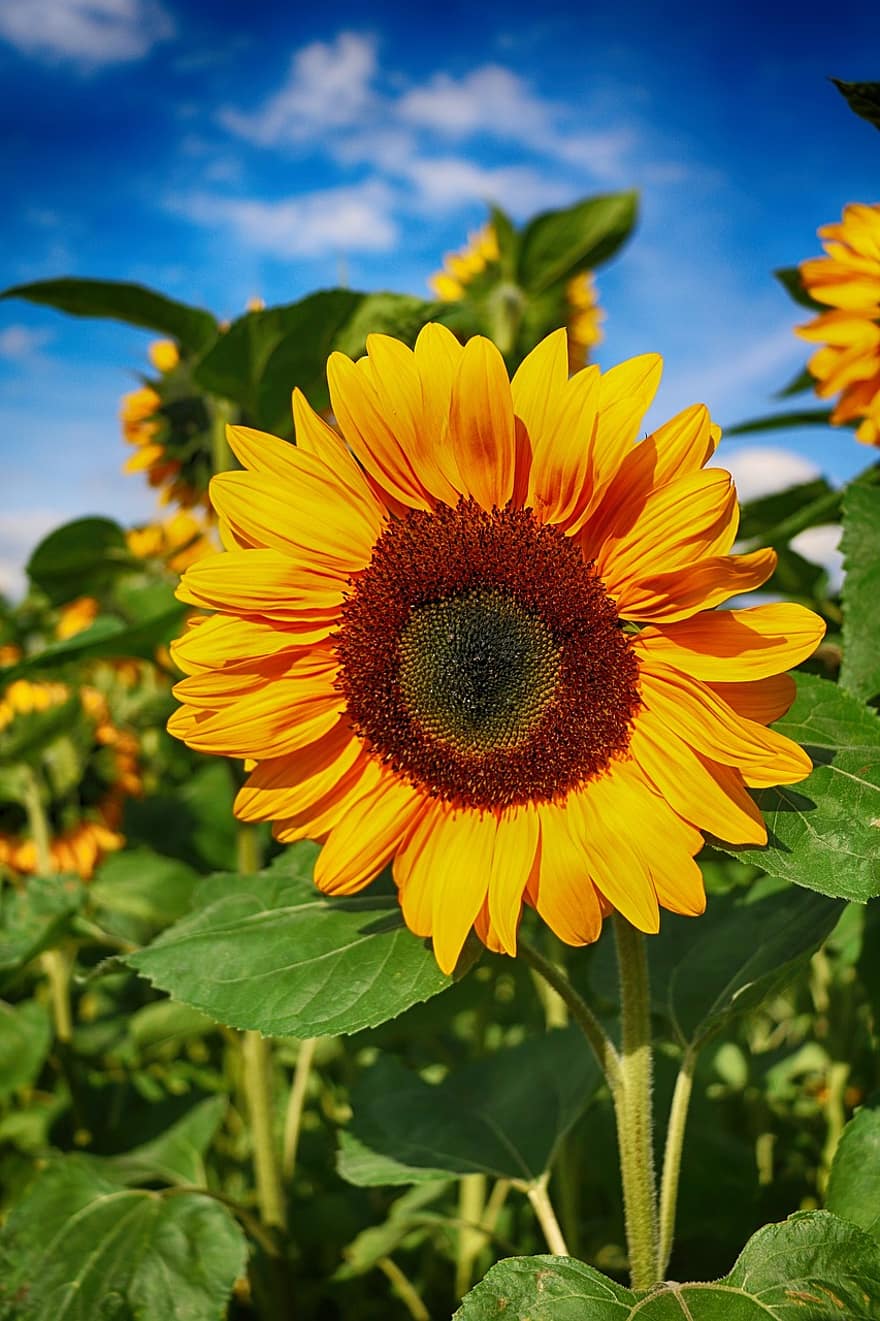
(111, 638)
(799, 384)
(805, 417)
(824, 833)
(481, 1119)
(234, 367)
(25, 1038)
(760, 518)
(145, 886)
(300, 356)
(270, 953)
(33, 918)
(132, 303)
(863, 99)
(80, 558)
(790, 279)
(860, 668)
(508, 241)
(406, 1220)
(558, 244)
(854, 1185)
(79, 1246)
(192, 821)
(813, 1267)
(175, 1156)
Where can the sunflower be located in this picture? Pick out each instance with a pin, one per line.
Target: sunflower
(168, 427)
(476, 638)
(579, 302)
(179, 540)
(87, 768)
(848, 279)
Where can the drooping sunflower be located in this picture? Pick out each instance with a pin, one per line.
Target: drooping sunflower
(86, 769)
(477, 639)
(847, 278)
(169, 427)
(479, 261)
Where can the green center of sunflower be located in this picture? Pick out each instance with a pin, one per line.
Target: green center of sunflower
(477, 670)
(482, 659)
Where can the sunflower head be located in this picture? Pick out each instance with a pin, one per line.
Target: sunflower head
(473, 634)
(167, 421)
(847, 279)
(84, 765)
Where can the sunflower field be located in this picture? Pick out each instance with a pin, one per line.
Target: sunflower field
(438, 854)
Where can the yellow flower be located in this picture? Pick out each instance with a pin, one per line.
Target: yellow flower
(164, 355)
(76, 616)
(475, 637)
(84, 816)
(144, 427)
(180, 540)
(848, 279)
(580, 304)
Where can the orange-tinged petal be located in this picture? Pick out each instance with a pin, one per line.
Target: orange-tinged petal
(764, 700)
(289, 786)
(539, 381)
(602, 811)
(314, 671)
(481, 426)
(625, 395)
(317, 820)
(712, 797)
(515, 844)
(732, 645)
(264, 582)
(212, 643)
(373, 436)
(562, 891)
(693, 711)
(561, 482)
(668, 597)
(269, 722)
(367, 837)
(686, 520)
(314, 514)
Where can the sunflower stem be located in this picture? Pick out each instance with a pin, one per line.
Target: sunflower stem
(56, 963)
(602, 1045)
(404, 1288)
(247, 850)
(546, 1216)
(632, 1104)
(678, 1113)
(256, 1066)
(295, 1106)
(471, 1206)
(221, 455)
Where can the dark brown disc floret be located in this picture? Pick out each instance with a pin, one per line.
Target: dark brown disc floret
(483, 660)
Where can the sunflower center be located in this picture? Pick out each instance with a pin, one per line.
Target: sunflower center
(482, 659)
(477, 670)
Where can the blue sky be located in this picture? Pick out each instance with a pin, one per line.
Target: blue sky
(221, 151)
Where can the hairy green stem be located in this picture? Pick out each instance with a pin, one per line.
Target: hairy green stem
(632, 1103)
(546, 1216)
(295, 1105)
(678, 1112)
(256, 1068)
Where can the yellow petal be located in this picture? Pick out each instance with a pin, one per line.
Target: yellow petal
(289, 786)
(764, 700)
(481, 427)
(732, 645)
(264, 582)
(367, 837)
(515, 844)
(668, 597)
(563, 892)
(617, 869)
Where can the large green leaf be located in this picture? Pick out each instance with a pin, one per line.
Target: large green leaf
(78, 1247)
(823, 832)
(133, 303)
(741, 952)
(863, 99)
(802, 417)
(110, 637)
(479, 1119)
(854, 1186)
(33, 918)
(175, 1156)
(268, 952)
(813, 1267)
(143, 886)
(79, 558)
(557, 244)
(860, 669)
(760, 518)
(25, 1038)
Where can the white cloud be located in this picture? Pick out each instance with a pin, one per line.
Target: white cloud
(490, 99)
(18, 343)
(821, 545)
(762, 469)
(89, 33)
(328, 87)
(450, 182)
(346, 219)
(19, 534)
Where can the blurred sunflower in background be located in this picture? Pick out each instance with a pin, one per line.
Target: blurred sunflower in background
(169, 424)
(475, 636)
(476, 269)
(847, 278)
(79, 763)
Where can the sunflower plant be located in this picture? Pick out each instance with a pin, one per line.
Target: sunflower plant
(488, 929)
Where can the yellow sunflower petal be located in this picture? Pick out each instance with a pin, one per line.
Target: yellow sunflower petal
(288, 786)
(764, 700)
(213, 643)
(625, 395)
(668, 597)
(367, 837)
(264, 582)
(562, 891)
(270, 722)
(603, 808)
(734, 645)
(538, 383)
(481, 426)
(515, 844)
